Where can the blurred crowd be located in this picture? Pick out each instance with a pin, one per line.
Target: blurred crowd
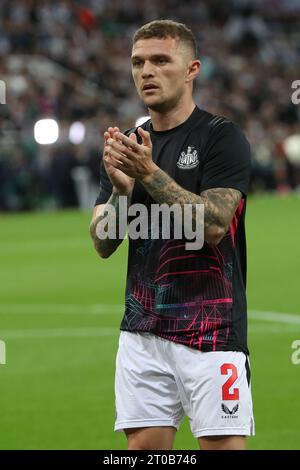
(69, 60)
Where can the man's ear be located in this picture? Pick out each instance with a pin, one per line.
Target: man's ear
(193, 70)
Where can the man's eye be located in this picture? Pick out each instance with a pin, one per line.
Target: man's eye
(162, 61)
(137, 63)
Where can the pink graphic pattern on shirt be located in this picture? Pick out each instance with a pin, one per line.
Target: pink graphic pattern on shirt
(184, 296)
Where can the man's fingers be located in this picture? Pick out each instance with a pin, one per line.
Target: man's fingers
(112, 161)
(106, 136)
(119, 147)
(111, 152)
(127, 141)
(133, 137)
(145, 135)
(112, 131)
(116, 145)
(109, 134)
(116, 129)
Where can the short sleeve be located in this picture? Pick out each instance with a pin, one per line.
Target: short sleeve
(227, 162)
(105, 188)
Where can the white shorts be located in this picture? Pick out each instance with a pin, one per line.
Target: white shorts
(158, 382)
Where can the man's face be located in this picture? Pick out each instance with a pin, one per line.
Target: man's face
(159, 68)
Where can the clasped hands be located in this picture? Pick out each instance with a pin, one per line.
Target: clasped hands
(126, 154)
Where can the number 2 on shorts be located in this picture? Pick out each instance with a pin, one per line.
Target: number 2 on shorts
(226, 395)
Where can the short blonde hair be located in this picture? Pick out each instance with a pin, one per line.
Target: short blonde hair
(167, 28)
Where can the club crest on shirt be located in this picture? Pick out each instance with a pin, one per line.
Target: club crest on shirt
(188, 159)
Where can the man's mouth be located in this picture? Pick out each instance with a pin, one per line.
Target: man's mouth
(149, 87)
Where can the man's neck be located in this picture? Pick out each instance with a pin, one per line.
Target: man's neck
(172, 118)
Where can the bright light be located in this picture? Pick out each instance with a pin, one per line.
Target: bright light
(46, 131)
(77, 133)
(291, 147)
(141, 120)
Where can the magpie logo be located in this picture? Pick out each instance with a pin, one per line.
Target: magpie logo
(227, 410)
(188, 159)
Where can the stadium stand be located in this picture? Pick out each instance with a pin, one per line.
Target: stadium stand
(69, 60)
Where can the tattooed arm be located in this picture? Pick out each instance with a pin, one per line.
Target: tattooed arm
(220, 204)
(122, 185)
(105, 247)
(135, 160)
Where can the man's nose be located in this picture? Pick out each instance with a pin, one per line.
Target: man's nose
(148, 70)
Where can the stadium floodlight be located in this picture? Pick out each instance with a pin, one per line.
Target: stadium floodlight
(291, 147)
(77, 133)
(46, 131)
(141, 120)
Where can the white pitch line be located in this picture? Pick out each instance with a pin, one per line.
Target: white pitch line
(65, 309)
(58, 333)
(102, 332)
(102, 309)
(115, 309)
(274, 317)
(38, 333)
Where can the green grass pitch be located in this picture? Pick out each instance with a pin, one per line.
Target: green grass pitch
(60, 309)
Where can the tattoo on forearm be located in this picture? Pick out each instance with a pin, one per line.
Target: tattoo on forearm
(107, 246)
(220, 204)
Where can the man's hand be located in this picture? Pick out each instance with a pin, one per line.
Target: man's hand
(124, 154)
(122, 183)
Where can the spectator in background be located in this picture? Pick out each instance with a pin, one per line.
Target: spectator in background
(66, 59)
